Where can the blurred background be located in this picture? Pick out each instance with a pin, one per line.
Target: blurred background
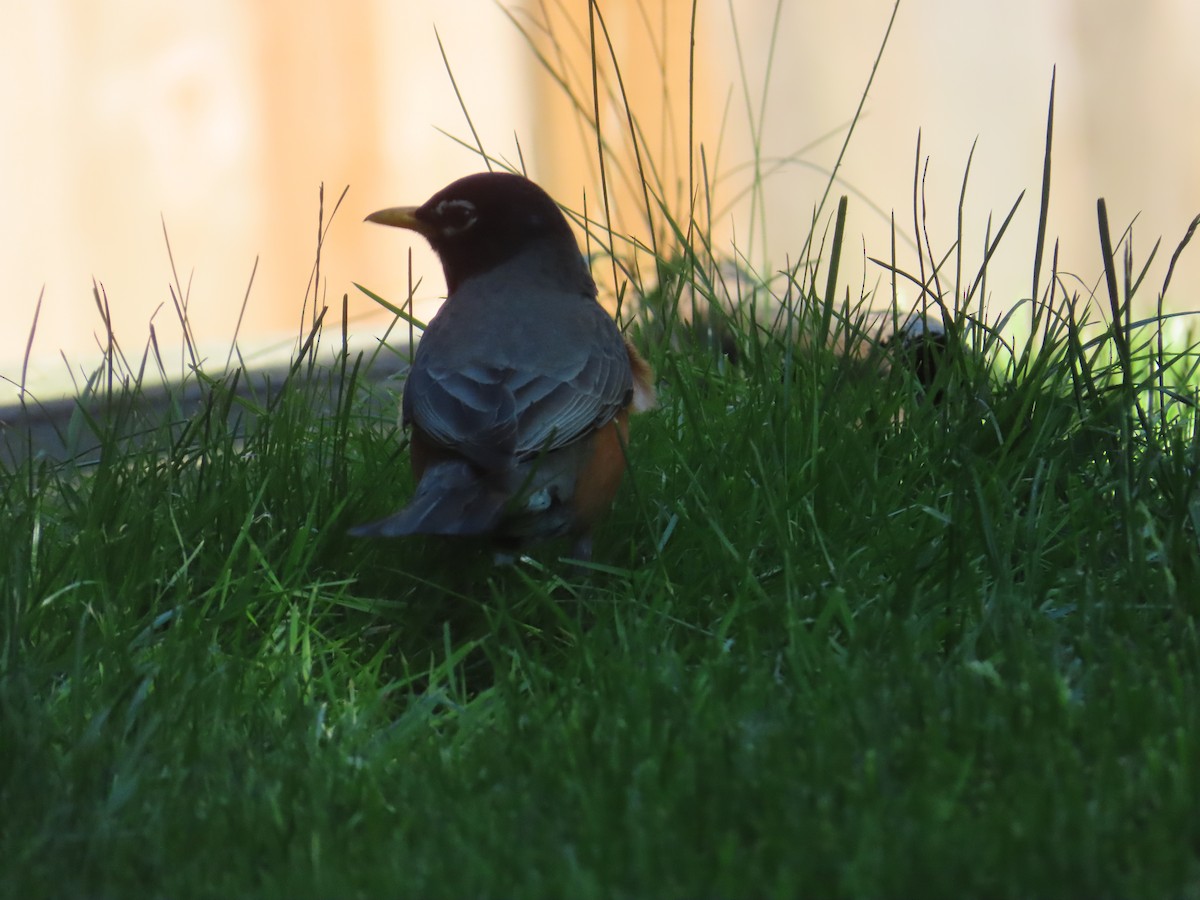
(219, 122)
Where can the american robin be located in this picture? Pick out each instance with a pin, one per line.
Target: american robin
(520, 391)
(920, 345)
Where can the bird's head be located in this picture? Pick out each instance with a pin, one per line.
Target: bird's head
(480, 221)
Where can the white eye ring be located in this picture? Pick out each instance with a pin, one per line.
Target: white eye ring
(461, 210)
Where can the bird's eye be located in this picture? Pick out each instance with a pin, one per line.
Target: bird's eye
(455, 216)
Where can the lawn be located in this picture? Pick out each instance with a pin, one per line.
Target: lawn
(839, 640)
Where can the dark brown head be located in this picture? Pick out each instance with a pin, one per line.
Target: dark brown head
(480, 221)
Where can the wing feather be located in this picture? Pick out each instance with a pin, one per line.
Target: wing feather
(499, 384)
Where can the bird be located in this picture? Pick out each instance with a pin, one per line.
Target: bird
(520, 391)
(921, 344)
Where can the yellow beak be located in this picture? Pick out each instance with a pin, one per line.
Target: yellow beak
(398, 217)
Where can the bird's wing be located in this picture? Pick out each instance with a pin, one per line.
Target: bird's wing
(470, 410)
(513, 402)
(582, 391)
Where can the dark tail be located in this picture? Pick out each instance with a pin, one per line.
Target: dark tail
(451, 498)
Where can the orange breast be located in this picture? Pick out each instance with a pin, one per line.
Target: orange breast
(600, 476)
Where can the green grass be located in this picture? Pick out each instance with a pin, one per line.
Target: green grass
(838, 641)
